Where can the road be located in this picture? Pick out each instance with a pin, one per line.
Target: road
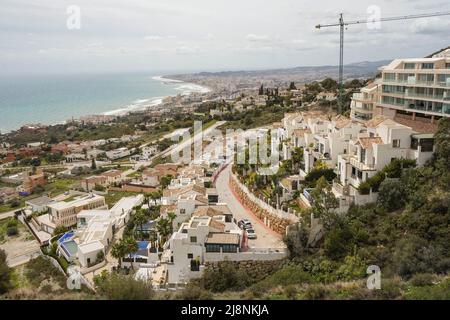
(266, 238)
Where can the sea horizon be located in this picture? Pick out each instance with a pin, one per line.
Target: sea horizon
(56, 98)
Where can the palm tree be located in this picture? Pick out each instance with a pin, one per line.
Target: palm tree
(118, 252)
(164, 228)
(139, 219)
(171, 216)
(131, 246)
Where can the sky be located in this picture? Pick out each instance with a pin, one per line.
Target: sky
(207, 35)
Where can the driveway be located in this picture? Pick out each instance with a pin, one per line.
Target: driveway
(266, 238)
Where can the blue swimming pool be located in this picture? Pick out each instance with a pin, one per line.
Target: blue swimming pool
(70, 248)
(65, 237)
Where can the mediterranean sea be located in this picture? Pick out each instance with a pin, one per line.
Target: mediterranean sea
(54, 99)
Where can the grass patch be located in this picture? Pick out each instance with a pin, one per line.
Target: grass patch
(112, 198)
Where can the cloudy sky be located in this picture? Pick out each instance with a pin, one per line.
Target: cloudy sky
(207, 35)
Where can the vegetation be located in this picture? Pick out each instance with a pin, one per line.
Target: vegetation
(116, 286)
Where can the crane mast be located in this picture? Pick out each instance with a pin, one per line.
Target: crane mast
(342, 24)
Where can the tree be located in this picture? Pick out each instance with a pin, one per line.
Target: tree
(442, 143)
(324, 203)
(164, 228)
(118, 251)
(140, 218)
(261, 90)
(165, 181)
(329, 84)
(392, 195)
(292, 86)
(93, 165)
(296, 240)
(130, 247)
(5, 279)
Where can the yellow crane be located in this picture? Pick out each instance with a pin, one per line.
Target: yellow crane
(342, 24)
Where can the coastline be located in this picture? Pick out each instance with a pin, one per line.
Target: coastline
(183, 88)
(144, 104)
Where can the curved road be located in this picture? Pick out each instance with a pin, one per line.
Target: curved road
(266, 238)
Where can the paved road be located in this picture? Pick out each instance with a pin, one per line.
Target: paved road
(266, 238)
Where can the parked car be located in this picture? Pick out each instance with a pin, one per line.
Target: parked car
(251, 234)
(245, 224)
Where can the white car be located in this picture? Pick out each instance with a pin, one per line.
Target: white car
(251, 234)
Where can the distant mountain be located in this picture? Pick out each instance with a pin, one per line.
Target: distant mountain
(363, 69)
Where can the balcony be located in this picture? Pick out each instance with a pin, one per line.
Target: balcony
(360, 165)
(340, 189)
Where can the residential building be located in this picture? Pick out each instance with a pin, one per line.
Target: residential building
(418, 89)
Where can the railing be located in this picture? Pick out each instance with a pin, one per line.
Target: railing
(359, 165)
(340, 188)
(262, 204)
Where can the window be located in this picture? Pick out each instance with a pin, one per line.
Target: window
(190, 256)
(396, 143)
(409, 65)
(182, 211)
(193, 239)
(427, 65)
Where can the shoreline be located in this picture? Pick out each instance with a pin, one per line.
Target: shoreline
(143, 104)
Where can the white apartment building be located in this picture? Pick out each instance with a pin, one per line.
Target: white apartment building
(118, 153)
(418, 89)
(372, 150)
(185, 251)
(64, 213)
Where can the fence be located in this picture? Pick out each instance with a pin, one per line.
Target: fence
(279, 213)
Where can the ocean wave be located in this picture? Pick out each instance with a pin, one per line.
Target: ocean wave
(138, 105)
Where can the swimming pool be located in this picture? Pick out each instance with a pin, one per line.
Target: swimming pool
(70, 248)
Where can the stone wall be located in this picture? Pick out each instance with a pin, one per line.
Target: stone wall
(274, 222)
(256, 270)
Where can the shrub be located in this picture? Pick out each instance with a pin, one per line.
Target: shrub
(194, 292)
(290, 292)
(12, 231)
(422, 279)
(316, 292)
(392, 195)
(315, 174)
(224, 277)
(122, 287)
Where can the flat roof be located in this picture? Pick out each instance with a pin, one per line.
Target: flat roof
(222, 238)
(90, 247)
(40, 201)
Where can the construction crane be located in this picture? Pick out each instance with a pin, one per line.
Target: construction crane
(342, 24)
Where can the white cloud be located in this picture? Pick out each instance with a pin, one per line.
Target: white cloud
(257, 38)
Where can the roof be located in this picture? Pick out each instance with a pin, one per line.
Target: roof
(91, 247)
(375, 121)
(300, 132)
(223, 238)
(212, 211)
(217, 225)
(40, 201)
(366, 142)
(340, 121)
(112, 173)
(423, 136)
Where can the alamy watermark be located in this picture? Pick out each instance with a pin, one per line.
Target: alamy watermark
(255, 147)
(374, 279)
(73, 21)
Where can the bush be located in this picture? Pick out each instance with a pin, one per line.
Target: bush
(5, 279)
(422, 279)
(290, 292)
(12, 231)
(194, 292)
(316, 292)
(224, 277)
(392, 195)
(122, 287)
(315, 174)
